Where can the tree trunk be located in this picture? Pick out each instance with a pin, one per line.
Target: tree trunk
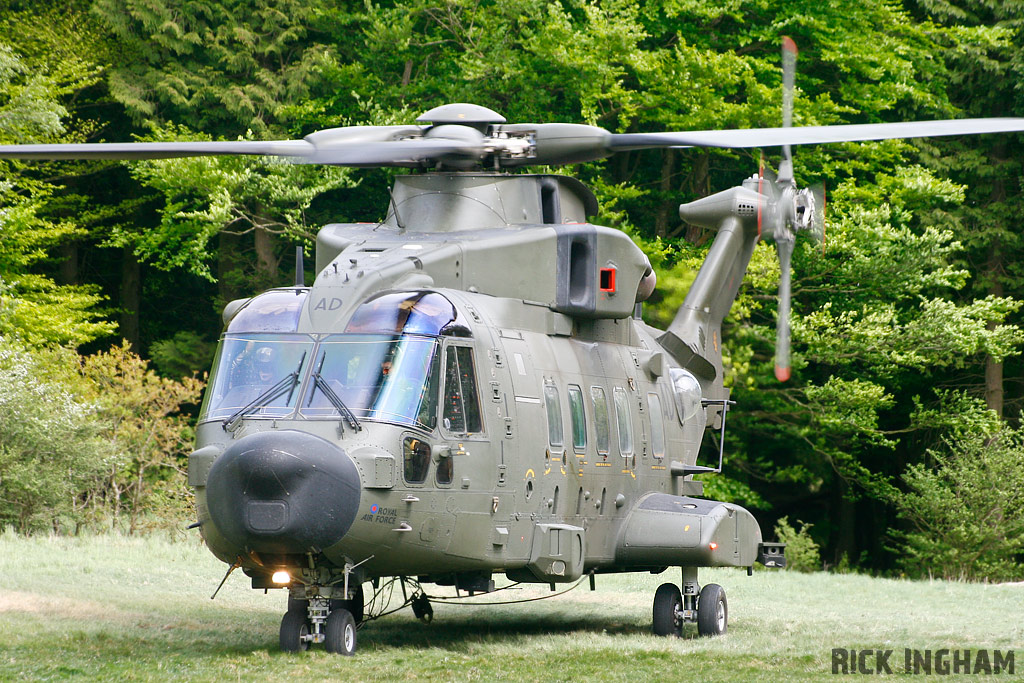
(266, 261)
(698, 187)
(845, 524)
(995, 271)
(68, 273)
(131, 297)
(661, 221)
(227, 263)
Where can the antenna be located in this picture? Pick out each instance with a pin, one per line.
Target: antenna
(300, 274)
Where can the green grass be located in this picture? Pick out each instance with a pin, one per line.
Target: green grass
(111, 607)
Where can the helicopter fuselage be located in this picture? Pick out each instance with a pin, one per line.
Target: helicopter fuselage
(451, 403)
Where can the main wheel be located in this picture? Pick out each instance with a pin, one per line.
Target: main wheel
(294, 629)
(422, 610)
(340, 632)
(355, 605)
(667, 603)
(300, 606)
(712, 611)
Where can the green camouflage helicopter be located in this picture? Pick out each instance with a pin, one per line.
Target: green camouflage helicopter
(467, 389)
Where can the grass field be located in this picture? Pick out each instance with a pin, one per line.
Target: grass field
(117, 608)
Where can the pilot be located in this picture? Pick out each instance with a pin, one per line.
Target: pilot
(265, 364)
(253, 366)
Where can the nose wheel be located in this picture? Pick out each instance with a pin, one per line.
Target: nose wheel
(707, 607)
(295, 636)
(340, 632)
(712, 611)
(332, 622)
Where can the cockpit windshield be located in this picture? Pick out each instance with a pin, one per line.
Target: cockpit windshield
(378, 377)
(385, 367)
(250, 364)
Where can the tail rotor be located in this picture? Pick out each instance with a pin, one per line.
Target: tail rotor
(784, 210)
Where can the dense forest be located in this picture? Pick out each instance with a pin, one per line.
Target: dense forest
(895, 444)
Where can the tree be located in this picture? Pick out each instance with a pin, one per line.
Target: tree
(981, 49)
(32, 306)
(226, 69)
(965, 509)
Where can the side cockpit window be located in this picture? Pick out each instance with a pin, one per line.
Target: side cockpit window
(461, 413)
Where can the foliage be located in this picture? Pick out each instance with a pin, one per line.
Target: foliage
(876, 336)
(90, 440)
(177, 356)
(802, 552)
(965, 509)
(32, 306)
(51, 450)
(143, 423)
(221, 67)
(205, 195)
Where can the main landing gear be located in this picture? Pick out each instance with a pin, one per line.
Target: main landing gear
(707, 606)
(322, 620)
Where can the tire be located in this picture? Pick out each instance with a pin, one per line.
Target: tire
(293, 629)
(355, 605)
(295, 605)
(712, 611)
(667, 601)
(340, 633)
(422, 610)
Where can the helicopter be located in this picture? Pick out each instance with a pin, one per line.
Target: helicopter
(467, 388)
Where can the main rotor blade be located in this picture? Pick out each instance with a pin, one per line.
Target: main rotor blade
(811, 135)
(395, 153)
(156, 150)
(362, 154)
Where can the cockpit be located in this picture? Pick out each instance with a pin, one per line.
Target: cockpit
(384, 366)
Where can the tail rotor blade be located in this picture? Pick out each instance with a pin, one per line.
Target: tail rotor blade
(782, 369)
(789, 53)
(819, 225)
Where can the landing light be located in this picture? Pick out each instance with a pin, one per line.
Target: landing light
(281, 578)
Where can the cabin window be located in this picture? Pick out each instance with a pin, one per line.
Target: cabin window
(554, 410)
(416, 454)
(623, 422)
(657, 425)
(579, 418)
(445, 470)
(461, 401)
(601, 425)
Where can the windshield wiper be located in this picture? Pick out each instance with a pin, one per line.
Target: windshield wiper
(320, 383)
(286, 385)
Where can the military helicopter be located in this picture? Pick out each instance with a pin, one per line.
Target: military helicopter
(467, 388)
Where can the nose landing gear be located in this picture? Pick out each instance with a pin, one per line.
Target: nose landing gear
(319, 619)
(706, 606)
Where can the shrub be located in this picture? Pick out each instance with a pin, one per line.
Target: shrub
(88, 440)
(966, 511)
(802, 553)
(50, 447)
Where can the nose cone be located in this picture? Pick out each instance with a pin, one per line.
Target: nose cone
(283, 492)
